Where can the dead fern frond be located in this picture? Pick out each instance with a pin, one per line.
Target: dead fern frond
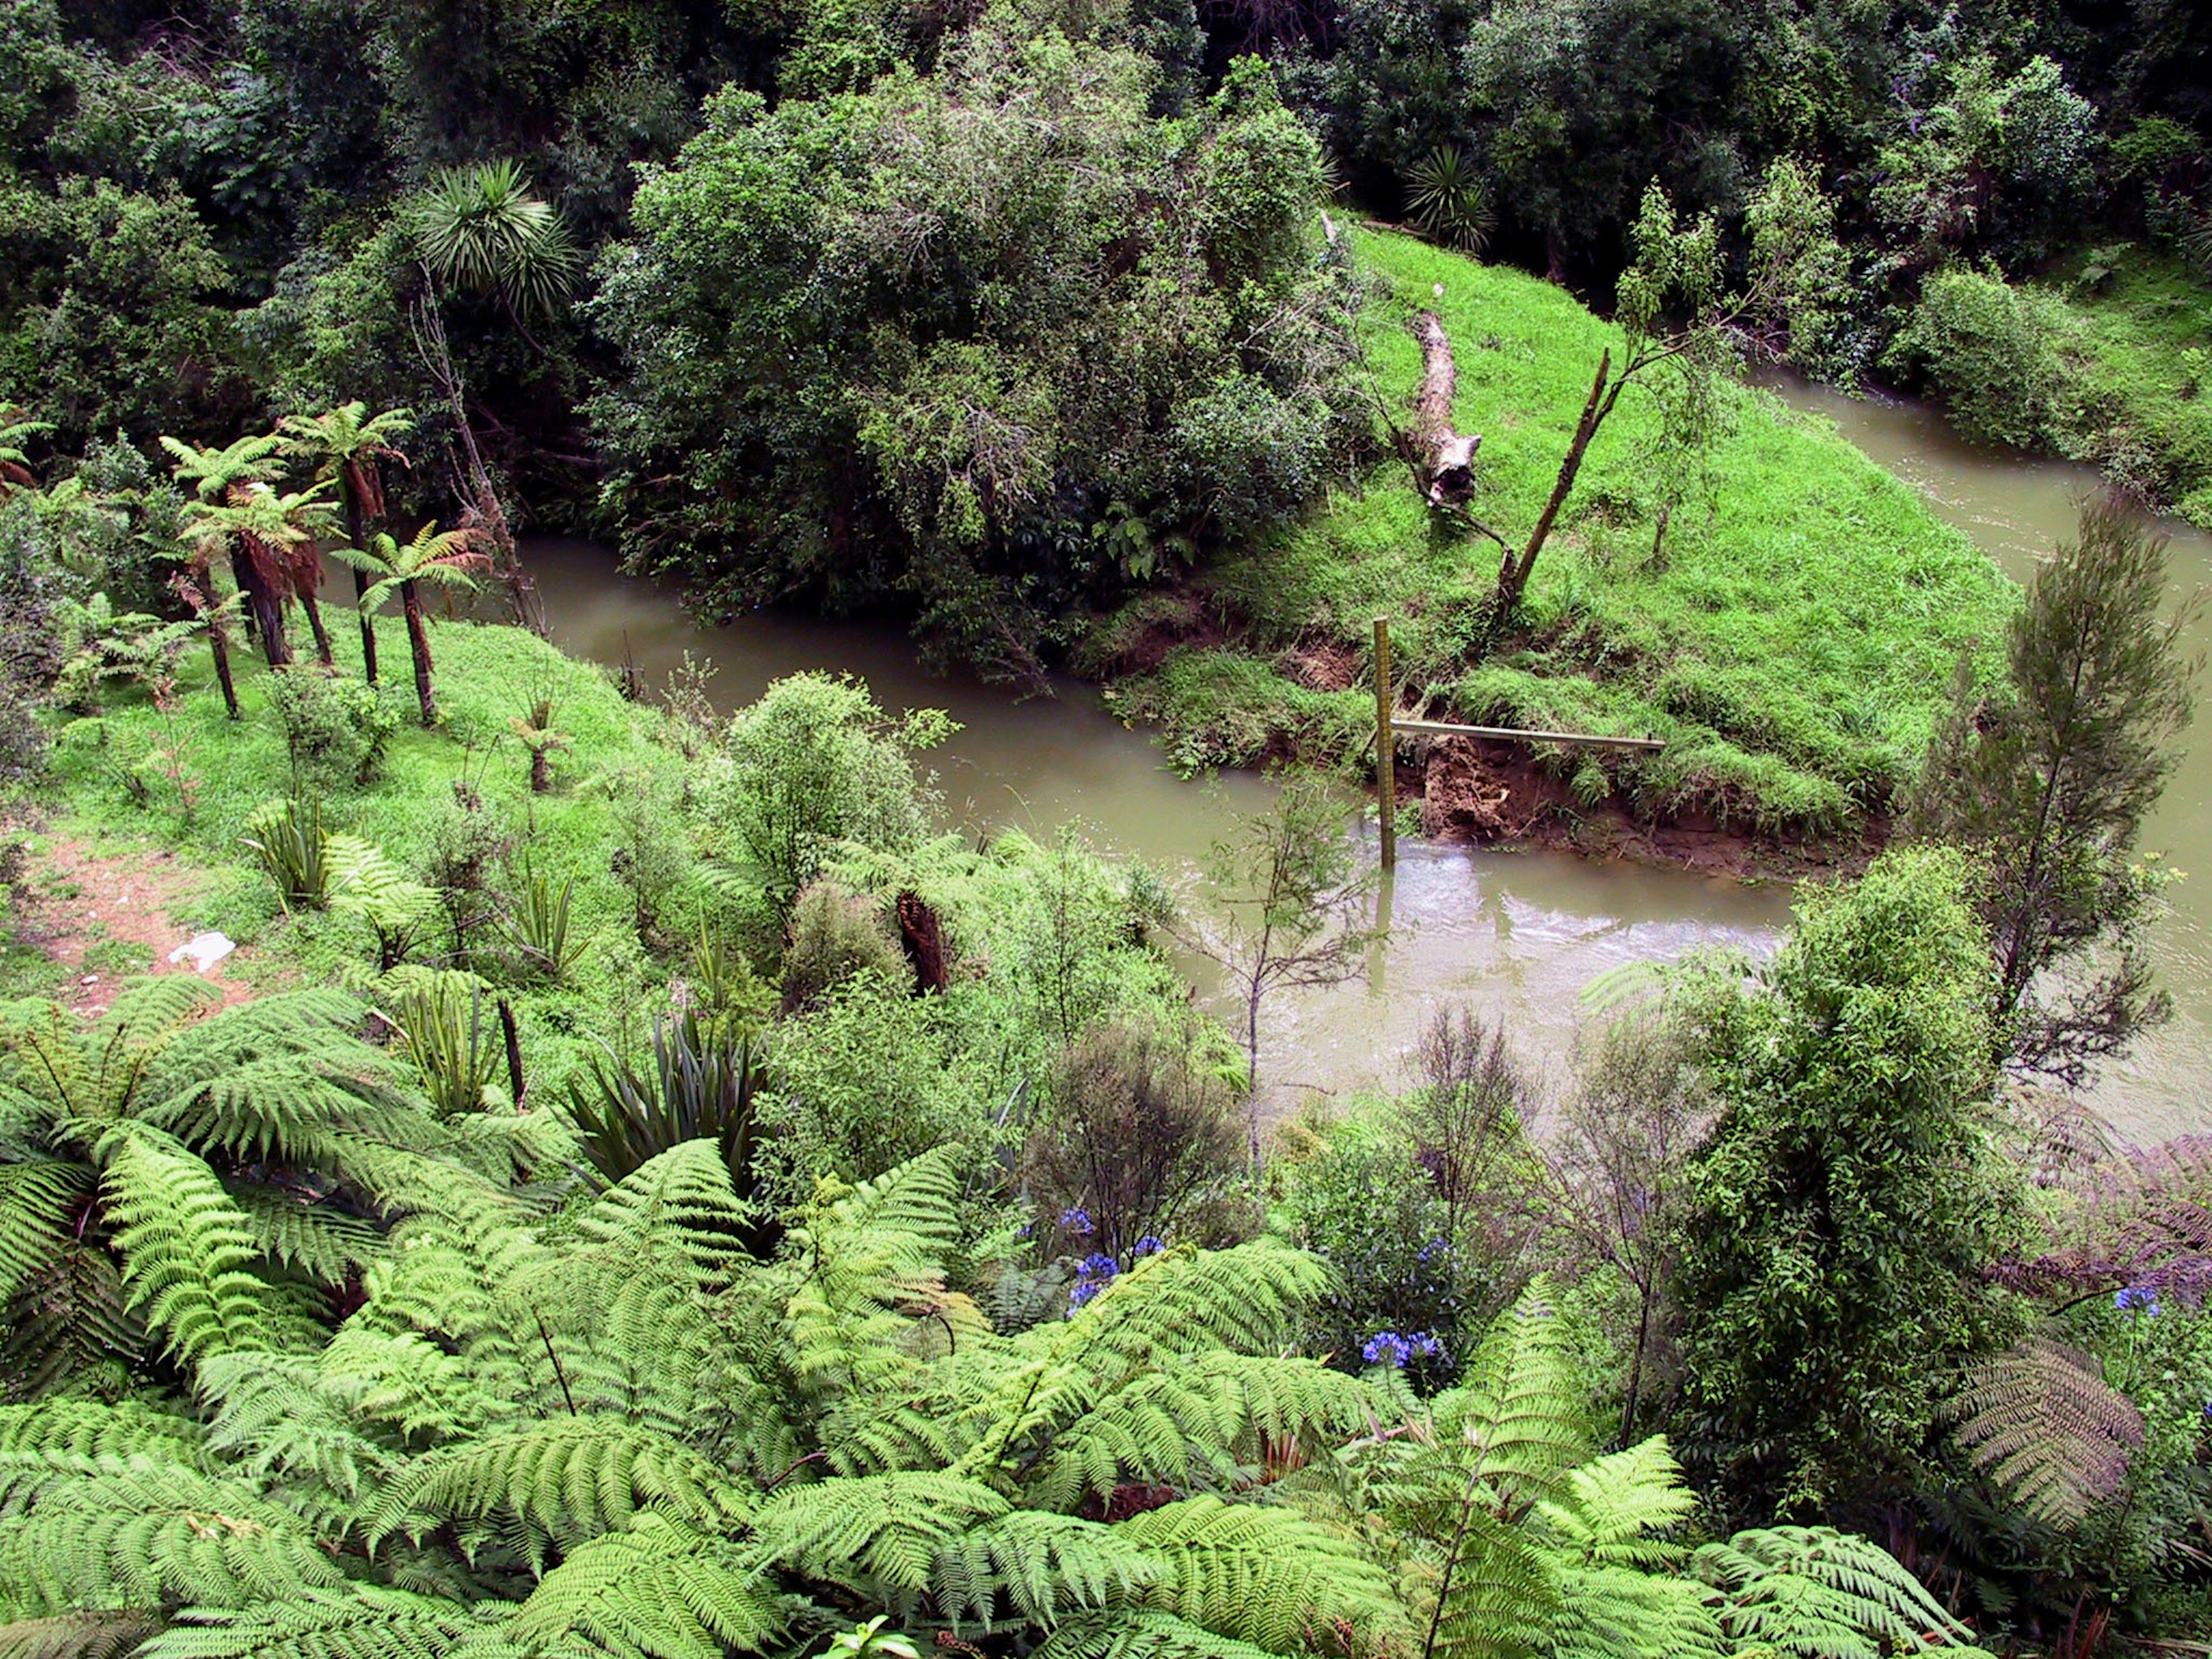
(2043, 1423)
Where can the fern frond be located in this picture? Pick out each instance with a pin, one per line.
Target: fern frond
(40, 1444)
(2045, 1426)
(1612, 1508)
(1820, 1594)
(35, 1198)
(403, 1381)
(681, 1201)
(1260, 1575)
(78, 1636)
(569, 1479)
(298, 1231)
(1142, 1635)
(659, 1590)
(186, 1249)
(887, 1529)
(362, 1622)
(275, 1417)
(1517, 1423)
(148, 1533)
(1044, 1566)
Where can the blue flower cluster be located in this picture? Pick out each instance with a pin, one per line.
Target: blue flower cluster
(1389, 1348)
(1077, 1221)
(1093, 1272)
(2136, 1297)
(1150, 1244)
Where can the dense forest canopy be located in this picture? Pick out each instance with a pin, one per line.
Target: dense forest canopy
(642, 1186)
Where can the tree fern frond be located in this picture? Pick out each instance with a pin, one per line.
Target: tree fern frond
(296, 1231)
(403, 1381)
(362, 1622)
(35, 1197)
(72, 1323)
(1044, 1566)
(274, 1418)
(1820, 1594)
(659, 1590)
(887, 1529)
(1518, 1422)
(570, 1478)
(149, 1533)
(1612, 1508)
(79, 1636)
(683, 1201)
(185, 1248)
(2042, 1423)
(1260, 1575)
(1142, 1635)
(40, 1444)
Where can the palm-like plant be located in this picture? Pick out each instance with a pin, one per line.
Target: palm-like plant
(482, 228)
(199, 584)
(273, 1109)
(347, 447)
(16, 429)
(222, 482)
(1449, 200)
(441, 558)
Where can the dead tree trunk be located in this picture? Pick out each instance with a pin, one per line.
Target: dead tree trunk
(923, 940)
(1442, 460)
(1513, 574)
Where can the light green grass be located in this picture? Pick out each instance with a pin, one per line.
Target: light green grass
(485, 676)
(2146, 411)
(1794, 646)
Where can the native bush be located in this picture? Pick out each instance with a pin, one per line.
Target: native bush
(836, 934)
(1999, 356)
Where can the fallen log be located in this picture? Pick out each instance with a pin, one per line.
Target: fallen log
(1442, 459)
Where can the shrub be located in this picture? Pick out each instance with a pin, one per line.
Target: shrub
(700, 1086)
(1998, 355)
(335, 728)
(292, 845)
(836, 934)
(1141, 1140)
(814, 762)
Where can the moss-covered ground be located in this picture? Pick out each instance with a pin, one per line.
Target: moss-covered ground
(1792, 640)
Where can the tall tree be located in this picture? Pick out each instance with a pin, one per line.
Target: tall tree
(441, 558)
(276, 544)
(215, 476)
(347, 447)
(1842, 1211)
(2047, 777)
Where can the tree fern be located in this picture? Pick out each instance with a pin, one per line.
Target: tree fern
(186, 1250)
(1261, 1575)
(35, 1199)
(882, 1531)
(1143, 1635)
(2042, 1423)
(682, 1202)
(659, 1590)
(1814, 1592)
(78, 1636)
(1042, 1567)
(565, 1479)
(360, 1622)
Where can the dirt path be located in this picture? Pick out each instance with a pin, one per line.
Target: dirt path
(84, 903)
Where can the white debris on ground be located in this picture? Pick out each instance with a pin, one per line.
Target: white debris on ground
(204, 950)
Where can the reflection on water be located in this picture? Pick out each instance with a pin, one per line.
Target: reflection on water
(2019, 509)
(1515, 934)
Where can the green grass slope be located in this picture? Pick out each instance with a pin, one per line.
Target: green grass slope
(1793, 644)
(619, 765)
(2146, 387)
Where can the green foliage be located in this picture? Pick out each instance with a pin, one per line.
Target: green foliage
(1447, 200)
(2000, 356)
(2048, 777)
(836, 935)
(444, 1023)
(482, 228)
(293, 849)
(1848, 1196)
(701, 1087)
(814, 763)
(1009, 378)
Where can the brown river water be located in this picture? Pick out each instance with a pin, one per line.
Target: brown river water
(1515, 935)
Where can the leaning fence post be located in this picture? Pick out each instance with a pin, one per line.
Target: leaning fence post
(1386, 756)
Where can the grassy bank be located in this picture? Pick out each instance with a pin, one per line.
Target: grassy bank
(453, 792)
(1792, 640)
(2144, 358)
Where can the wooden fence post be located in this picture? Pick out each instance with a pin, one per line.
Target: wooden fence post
(1386, 752)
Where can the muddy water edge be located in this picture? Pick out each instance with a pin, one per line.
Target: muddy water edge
(1515, 934)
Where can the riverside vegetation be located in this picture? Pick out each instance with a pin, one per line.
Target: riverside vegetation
(640, 1189)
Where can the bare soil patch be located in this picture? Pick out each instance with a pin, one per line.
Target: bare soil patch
(83, 904)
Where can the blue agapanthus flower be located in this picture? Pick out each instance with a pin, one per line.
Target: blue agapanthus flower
(1099, 1266)
(2136, 1299)
(1387, 1348)
(1077, 1221)
(1150, 1245)
(1082, 1291)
